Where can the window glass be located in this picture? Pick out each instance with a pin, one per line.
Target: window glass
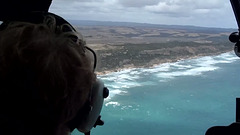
(169, 65)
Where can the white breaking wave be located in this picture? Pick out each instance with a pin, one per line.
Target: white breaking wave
(114, 104)
(114, 92)
(190, 72)
(159, 68)
(197, 66)
(119, 83)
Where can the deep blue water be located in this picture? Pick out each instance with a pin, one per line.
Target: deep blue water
(182, 98)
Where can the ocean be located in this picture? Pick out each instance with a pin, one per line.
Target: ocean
(182, 98)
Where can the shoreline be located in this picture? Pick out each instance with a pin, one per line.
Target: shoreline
(154, 64)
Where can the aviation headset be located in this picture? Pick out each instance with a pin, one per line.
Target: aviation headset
(89, 116)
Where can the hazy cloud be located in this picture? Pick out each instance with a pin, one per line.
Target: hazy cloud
(182, 12)
(137, 3)
(68, 1)
(185, 7)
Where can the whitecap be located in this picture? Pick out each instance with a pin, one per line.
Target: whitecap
(120, 82)
(192, 67)
(107, 78)
(158, 68)
(181, 65)
(129, 84)
(205, 61)
(115, 92)
(127, 77)
(113, 86)
(230, 57)
(114, 104)
(190, 72)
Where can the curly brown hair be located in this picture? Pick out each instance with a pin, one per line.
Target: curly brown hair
(45, 74)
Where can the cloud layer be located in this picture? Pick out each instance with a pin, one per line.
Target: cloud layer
(210, 13)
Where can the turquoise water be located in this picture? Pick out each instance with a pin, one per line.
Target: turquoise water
(182, 98)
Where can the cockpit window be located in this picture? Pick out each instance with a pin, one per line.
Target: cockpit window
(169, 65)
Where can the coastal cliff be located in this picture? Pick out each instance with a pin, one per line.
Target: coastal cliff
(134, 45)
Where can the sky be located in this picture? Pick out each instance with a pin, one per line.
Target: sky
(206, 13)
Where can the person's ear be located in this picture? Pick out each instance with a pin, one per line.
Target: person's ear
(89, 116)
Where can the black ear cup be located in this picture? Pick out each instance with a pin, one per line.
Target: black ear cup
(92, 118)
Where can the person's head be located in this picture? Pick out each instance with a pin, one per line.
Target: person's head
(46, 75)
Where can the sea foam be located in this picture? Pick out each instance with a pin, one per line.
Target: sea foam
(119, 83)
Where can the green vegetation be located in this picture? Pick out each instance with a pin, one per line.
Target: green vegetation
(146, 55)
(129, 45)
